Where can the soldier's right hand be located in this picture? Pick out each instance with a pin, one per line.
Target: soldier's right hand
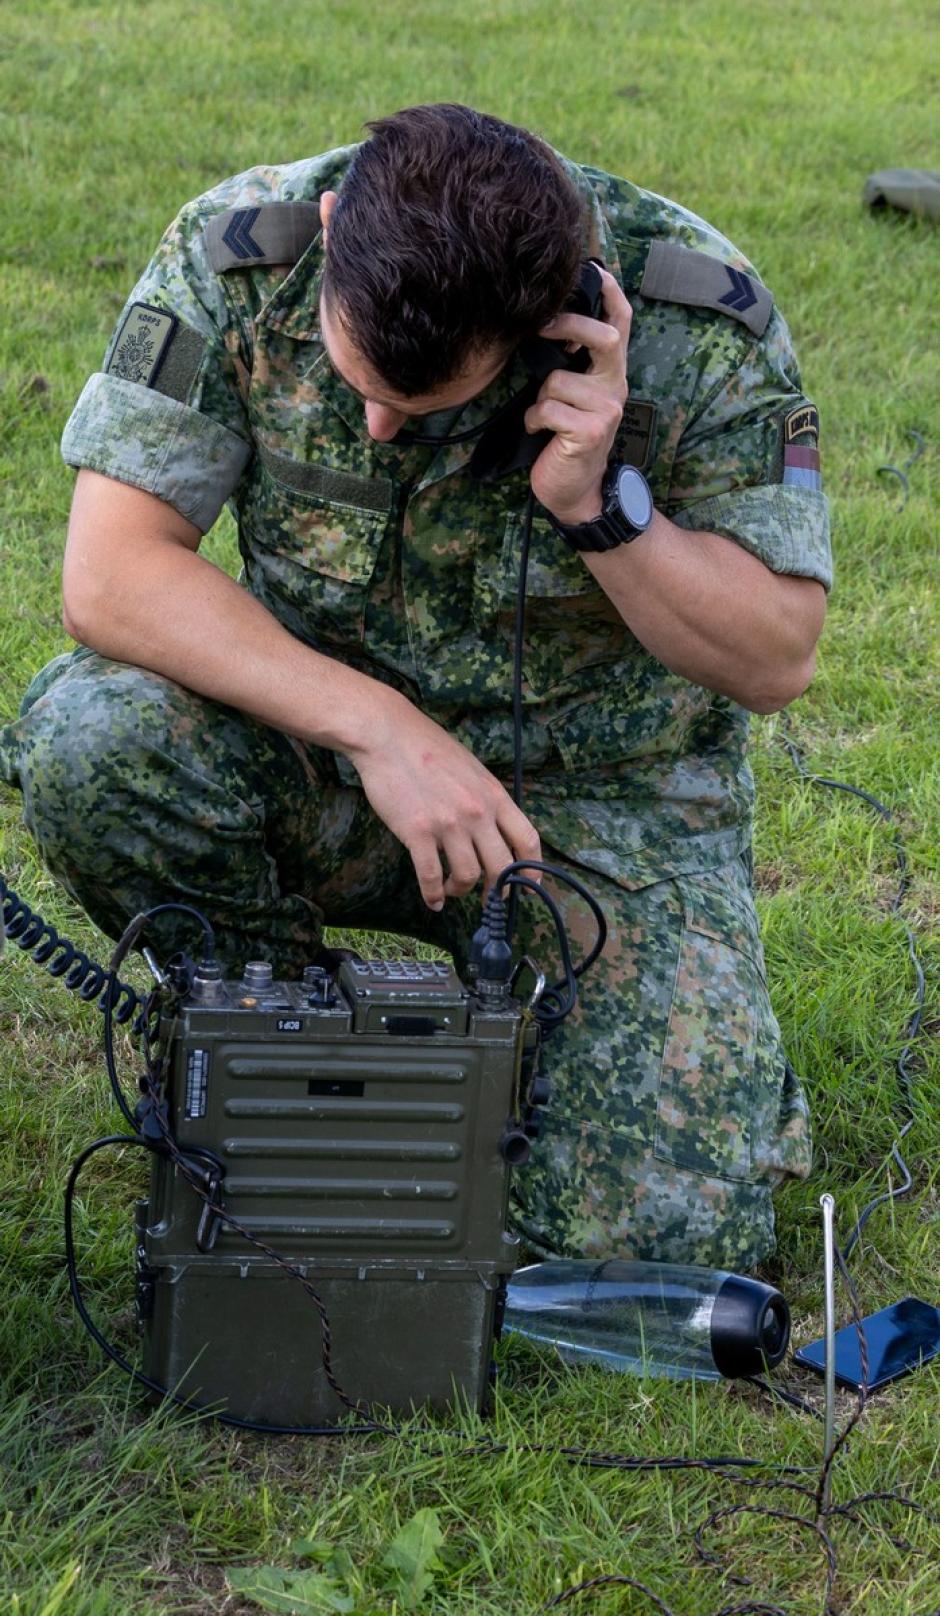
(440, 802)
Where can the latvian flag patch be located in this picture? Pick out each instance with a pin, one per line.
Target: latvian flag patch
(801, 466)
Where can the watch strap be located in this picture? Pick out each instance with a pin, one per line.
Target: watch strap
(600, 535)
(606, 531)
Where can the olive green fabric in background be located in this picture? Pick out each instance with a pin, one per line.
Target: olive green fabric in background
(913, 190)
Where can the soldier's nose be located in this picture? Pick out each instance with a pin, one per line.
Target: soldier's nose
(382, 422)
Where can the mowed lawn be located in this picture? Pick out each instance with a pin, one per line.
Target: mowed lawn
(765, 118)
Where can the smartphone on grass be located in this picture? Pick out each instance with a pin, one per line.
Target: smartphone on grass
(899, 1339)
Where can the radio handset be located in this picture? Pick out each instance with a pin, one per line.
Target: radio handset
(506, 446)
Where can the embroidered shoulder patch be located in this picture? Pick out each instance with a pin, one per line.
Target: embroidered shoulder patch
(142, 344)
(804, 419)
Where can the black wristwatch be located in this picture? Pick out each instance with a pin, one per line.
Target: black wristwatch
(626, 511)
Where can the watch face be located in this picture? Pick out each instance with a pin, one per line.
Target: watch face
(634, 496)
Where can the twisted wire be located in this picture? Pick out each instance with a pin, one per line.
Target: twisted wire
(62, 959)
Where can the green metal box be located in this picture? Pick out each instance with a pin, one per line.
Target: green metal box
(360, 1122)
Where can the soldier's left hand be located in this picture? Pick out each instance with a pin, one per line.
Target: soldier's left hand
(583, 410)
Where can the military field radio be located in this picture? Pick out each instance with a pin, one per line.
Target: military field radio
(365, 1124)
(327, 1221)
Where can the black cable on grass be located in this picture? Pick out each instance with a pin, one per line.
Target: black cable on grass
(608, 1580)
(913, 1026)
(783, 1396)
(818, 1524)
(900, 472)
(802, 1521)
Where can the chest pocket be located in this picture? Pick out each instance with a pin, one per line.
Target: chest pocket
(311, 536)
(570, 623)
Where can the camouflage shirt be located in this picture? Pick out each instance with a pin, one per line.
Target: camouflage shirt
(217, 387)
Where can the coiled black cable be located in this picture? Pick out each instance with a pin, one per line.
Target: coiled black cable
(62, 959)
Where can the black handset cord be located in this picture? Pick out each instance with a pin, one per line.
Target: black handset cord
(75, 969)
(525, 545)
(405, 438)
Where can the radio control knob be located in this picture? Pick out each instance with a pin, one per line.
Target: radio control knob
(258, 975)
(318, 985)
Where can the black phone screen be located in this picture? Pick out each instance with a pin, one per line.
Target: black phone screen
(899, 1338)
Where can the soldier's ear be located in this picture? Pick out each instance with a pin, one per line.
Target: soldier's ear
(328, 201)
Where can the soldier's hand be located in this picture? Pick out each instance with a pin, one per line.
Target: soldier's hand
(441, 802)
(582, 410)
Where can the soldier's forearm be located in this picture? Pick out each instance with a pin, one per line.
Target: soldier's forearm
(712, 612)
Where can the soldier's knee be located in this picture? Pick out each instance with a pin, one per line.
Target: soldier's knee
(93, 749)
(90, 729)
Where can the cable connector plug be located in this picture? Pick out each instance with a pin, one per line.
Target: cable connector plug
(151, 1119)
(490, 953)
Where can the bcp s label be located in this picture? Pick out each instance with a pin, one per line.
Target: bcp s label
(197, 1083)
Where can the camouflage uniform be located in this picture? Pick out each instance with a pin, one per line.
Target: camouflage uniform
(673, 1114)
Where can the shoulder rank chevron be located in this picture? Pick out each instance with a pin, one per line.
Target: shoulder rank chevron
(272, 233)
(677, 274)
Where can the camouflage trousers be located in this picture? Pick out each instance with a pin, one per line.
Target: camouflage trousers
(673, 1112)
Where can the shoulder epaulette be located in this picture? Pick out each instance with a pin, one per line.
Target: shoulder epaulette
(272, 233)
(677, 274)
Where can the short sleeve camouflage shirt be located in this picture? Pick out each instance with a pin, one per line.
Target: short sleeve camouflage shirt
(216, 387)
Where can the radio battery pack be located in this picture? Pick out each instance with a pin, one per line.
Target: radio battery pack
(366, 1121)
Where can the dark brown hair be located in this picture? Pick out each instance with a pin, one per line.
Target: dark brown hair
(454, 232)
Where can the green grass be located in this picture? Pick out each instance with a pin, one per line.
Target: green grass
(766, 119)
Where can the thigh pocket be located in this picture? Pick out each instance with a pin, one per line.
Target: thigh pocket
(717, 1020)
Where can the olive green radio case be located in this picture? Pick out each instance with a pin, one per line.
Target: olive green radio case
(367, 1124)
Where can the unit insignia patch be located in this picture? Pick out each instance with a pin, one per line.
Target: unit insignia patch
(142, 344)
(804, 419)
